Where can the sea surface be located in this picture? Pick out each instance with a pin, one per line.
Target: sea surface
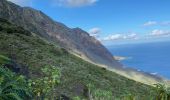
(153, 58)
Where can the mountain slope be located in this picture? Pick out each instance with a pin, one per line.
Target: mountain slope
(30, 53)
(76, 40)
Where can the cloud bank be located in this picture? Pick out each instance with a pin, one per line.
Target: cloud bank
(154, 34)
(154, 23)
(150, 23)
(65, 3)
(132, 36)
(74, 3)
(159, 33)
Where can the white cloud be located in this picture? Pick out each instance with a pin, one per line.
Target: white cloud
(154, 73)
(22, 2)
(165, 23)
(113, 37)
(153, 23)
(150, 23)
(95, 32)
(66, 3)
(74, 3)
(132, 36)
(159, 33)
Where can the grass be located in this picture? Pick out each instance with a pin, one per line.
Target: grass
(4, 59)
(76, 74)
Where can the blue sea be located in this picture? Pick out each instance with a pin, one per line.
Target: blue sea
(148, 57)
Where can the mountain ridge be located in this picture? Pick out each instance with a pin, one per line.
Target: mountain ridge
(74, 40)
(37, 22)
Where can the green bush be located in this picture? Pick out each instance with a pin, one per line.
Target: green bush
(4, 60)
(20, 30)
(98, 94)
(43, 87)
(76, 98)
(163, 92)
(64, 51)
(56, 51)
(10, 29)
(15, 87)
(1, 28)
(12, 86)
(4, 21)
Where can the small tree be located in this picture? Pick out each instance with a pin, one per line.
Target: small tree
(44, 86)
(163, 92)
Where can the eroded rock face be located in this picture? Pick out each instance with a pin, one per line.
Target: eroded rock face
(76, 40)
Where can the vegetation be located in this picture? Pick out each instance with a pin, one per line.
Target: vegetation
(71, 76)
(163, 92)
(12, 86)
(43, 87)
(4, 60)
(16, 87)
(97, 94)
(10, 29)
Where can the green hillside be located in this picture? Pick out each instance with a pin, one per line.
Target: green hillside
(28, 54)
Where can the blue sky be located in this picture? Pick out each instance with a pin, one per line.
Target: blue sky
(111, 21)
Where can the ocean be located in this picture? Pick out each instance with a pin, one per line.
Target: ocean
(153, 58)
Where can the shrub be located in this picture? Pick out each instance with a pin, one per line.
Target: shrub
(98, 94)
(20, 30)
(56, 51)
(12, 86)
(4, 60)
(43, 87)
(64, 51)
(163, 92)
(1, 28)
(4, 21)
(129, 97)
(76, 98)
(10, 28)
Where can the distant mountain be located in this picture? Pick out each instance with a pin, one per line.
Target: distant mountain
(76, 40)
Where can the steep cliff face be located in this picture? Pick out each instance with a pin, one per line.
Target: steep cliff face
(75, 40)
(94, 50)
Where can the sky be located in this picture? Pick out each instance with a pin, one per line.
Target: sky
(111, 21)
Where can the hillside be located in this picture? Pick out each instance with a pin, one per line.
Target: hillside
(29, 53)
(75, 40)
